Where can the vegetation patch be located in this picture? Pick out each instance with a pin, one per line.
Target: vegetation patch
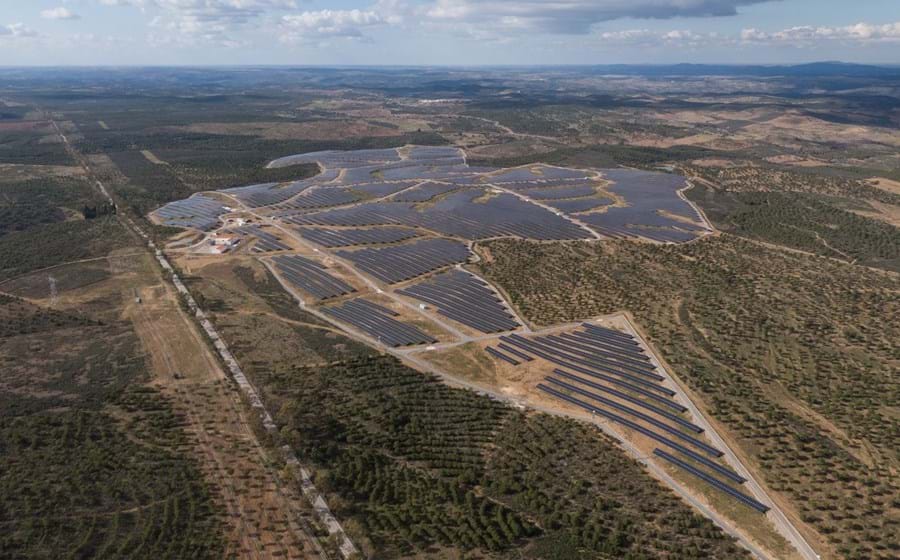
(93, 462)
(53, 244)
(803, 221)
(791, 352)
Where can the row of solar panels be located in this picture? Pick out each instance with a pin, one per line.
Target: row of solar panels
(663, 235)
(378, 322)
(465, 213)
(706, 477)
(424, 192)
(198, 212)
(266, 194)
(321, 197)
(643, 385)
(311, 277)
(265, 241)
(629, 397)
(463, 297)
(357, 236)
(403, 262)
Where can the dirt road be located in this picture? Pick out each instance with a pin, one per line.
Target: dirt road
(265, 519)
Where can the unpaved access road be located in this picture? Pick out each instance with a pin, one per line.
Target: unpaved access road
(264, 518)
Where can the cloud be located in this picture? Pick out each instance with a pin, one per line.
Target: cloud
(676, 38)
(215, 21)
(313, 26)
(59, 13)
(860, 33)
(17, 30)
(573, 16)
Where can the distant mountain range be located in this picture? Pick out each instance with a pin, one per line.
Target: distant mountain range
(759, 70)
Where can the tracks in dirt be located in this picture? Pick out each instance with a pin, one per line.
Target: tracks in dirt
(265, 518)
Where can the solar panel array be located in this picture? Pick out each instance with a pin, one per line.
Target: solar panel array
(378, 322)
(424, 192)
(608, 373)
(557, 193)
(712, 481)
(357, 236)
(265, 241)
(497, 354)
(463, 203)
(647, 194)
(468, 213)
(402, 262)
(321, 197)
(573, 205)
(198, 212)
(311, 277)
(534, 173)
(381, 189)
(331, 159)
(266, 194)
(465, 298)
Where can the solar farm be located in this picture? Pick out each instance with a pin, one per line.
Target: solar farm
(379, 244)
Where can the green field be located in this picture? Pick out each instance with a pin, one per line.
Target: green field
(413, 466)
(792, 353)
(94, 463)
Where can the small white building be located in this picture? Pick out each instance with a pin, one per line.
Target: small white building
(223, 242)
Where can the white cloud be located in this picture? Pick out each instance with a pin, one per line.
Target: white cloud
(322, 24)
(860, 33)
(60, 12)
(190, 21)
(16, 30)
(574, 16)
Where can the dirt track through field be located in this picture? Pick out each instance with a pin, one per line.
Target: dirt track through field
(263, 518)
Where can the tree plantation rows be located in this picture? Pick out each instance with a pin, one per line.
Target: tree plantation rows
(803, 221)
(419, 466)
(94, 463)
(791, 352)
(52, 244)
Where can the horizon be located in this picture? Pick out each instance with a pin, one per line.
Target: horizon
(466, 66)
(445, 33)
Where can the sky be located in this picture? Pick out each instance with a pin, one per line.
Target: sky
(446, 32)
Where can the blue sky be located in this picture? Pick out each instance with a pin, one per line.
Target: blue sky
(457, 32)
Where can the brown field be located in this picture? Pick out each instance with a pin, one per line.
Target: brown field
(313, 130)
(21, 126)
(471, 363)
(266, 515)
(11, 172)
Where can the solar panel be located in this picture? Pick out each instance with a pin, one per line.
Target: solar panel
(402, 262)
(356, 236)
(645, 417)
(310, 276)
(638, 402)
(599, 366)
(501, 355)
(461, 296)
(266, 242)
(514, 352)
(714, 482)
(378, 322)
(606, 361)
(612, 380)
(615, 418)
(199, 212)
